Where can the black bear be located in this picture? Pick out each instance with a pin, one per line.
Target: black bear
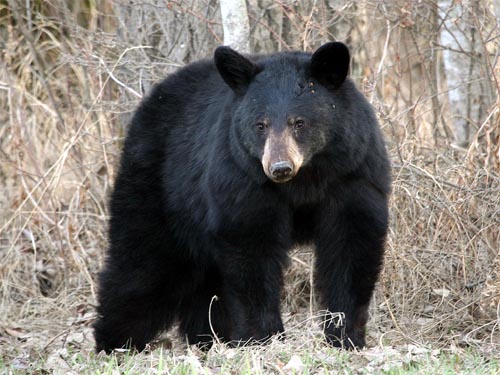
(227, 165)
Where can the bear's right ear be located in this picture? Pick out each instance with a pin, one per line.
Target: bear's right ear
(236, 70)
(330, 64)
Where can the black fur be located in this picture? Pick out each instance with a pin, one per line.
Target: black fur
(193, 215)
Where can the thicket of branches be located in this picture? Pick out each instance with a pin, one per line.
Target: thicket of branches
(72, 72)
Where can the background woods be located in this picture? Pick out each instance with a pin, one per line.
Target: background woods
(71, 73)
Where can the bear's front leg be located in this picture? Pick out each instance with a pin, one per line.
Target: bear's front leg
(349, 254)
(253, 277)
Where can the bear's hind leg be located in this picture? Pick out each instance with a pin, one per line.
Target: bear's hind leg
(131, 313)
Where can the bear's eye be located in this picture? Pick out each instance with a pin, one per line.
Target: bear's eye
(299, 124)
(261, 126)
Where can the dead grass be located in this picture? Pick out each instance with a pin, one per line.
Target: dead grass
(68, 83)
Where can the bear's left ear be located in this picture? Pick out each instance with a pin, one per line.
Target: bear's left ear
(236, 70)
(330, 64)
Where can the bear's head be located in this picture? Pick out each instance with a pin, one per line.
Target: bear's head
(285, 106)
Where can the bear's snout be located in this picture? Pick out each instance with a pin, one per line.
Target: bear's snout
(282, 157)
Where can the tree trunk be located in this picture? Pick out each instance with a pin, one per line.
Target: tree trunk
(467, 95)
(235, 23)
(496, 6)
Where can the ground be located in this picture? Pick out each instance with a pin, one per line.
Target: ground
(304, 352)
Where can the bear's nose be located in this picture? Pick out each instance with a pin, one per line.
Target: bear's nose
(281, 169)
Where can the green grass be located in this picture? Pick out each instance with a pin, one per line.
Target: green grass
(272, 359)
(448, 364)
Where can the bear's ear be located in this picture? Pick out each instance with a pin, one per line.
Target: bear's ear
(236, 70)
(330, 64)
